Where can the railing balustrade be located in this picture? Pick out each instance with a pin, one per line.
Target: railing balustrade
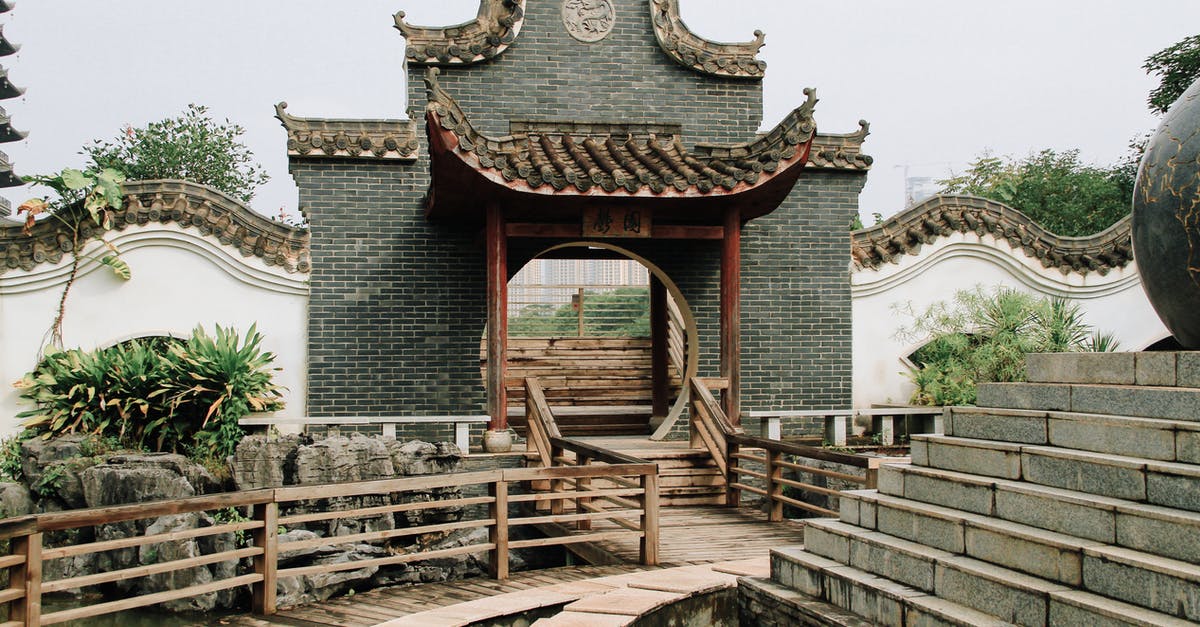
(627, 488)
(732, 450)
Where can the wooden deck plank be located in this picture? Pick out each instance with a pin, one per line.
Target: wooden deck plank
(689, 536)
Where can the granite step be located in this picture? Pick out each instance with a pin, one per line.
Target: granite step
(1151, 438)
(1165, 368)
(1170, 484)
(874, 598)
(766, 603)
(1170, 403)
(1155, 582)
(1006, 594)
(1148, 528)
(1020, 598)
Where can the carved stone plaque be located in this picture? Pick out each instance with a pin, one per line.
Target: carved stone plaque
(588, 20)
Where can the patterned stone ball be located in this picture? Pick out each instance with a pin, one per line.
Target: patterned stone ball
(1166, 219)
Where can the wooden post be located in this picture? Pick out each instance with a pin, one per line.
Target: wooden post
(872, 480)
(649, 545)
(267, 539)
(556, 485)
(582, 484)
(498, 534)
(497, 321)
(579, 311)
(774, 488)
(731, 313)
(28, 576)
(659, 341)
(733, 496)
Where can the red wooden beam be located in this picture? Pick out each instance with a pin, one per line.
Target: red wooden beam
(497, 321)
(731, 313)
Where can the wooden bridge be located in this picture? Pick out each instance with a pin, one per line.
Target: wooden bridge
(601, 504)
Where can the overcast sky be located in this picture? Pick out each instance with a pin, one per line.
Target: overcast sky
(940, 81)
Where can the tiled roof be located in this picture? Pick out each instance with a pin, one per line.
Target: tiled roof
(353, 139)
(616, 159)
(485, 37)
(7, 47)
(7, 133)
(187, 204)
(905, 233)
(737, 60)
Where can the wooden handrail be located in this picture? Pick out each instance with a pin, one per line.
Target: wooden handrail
(800, 450)
(596, 453)
(637, 515)
(541, 427)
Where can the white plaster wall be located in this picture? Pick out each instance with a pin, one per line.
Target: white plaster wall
(1114, 303)
(180, 279)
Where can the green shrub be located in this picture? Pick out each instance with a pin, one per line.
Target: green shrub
(163, 393)
(985, 336)
(192, 147)
(222, 379)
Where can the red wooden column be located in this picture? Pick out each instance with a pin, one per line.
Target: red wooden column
(497, 320)
(659, 342)
(731, 313)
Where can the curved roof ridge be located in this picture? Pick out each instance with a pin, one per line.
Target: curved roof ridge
(492, 31)
(939, 216)
(623, 163)
(190, 205)
(349, 138)
(736, 60)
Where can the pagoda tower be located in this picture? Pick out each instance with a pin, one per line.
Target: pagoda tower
(7, 132)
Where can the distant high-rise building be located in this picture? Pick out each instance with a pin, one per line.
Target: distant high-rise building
(918, 188)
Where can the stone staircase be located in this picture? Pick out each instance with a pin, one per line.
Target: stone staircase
(1072, 499)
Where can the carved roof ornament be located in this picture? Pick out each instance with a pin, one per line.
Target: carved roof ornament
(588, 20)
(736, 60)
(350, 139)
(617, 160)
(940, 216)
(190, 205)
(841, 152)
(489, 34)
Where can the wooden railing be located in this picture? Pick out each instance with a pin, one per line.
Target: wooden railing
(632, 503)
(712, 430)
(772, 459)
(547, 445)
(731, 450)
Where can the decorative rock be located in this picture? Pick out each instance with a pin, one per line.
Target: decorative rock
(335, 459)
(136, 478)
(14, 500)
(1166, 219)
(424, 458)
(263, 461)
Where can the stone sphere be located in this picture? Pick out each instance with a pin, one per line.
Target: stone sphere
(1166, 219)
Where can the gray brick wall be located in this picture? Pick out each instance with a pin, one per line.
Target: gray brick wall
(397, 304)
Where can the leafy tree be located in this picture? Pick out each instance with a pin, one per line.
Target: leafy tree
(1053, 188)
(192, 146)
(1176, 67)
(623, 312)
(984, 336)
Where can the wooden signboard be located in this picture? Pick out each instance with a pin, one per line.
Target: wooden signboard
(616, 222)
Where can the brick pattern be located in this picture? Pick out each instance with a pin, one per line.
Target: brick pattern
(397, 305)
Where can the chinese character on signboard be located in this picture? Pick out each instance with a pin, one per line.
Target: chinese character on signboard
(616, 222)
